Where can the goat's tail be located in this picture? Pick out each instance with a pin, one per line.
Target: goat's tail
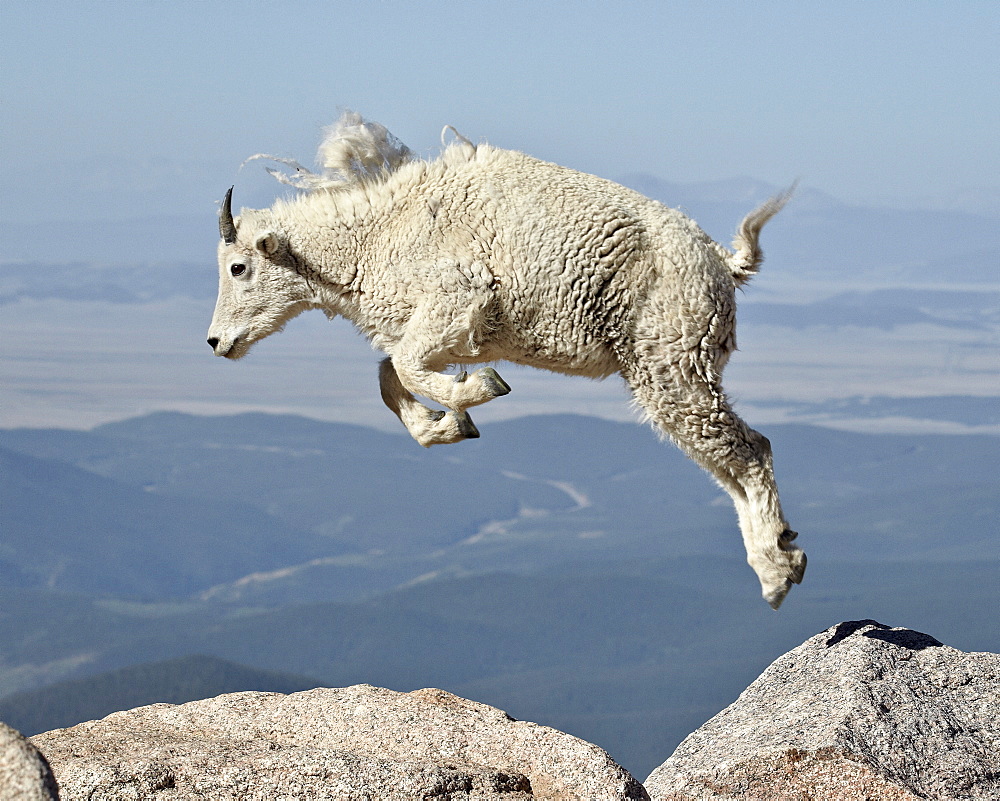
(746, 261)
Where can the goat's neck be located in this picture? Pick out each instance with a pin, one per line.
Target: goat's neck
(327, 234)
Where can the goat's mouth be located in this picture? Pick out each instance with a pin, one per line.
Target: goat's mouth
(237, 348)
(234, 349)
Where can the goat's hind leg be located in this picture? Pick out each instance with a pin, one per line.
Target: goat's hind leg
(777, 562)
(427, 426)
(697, 417)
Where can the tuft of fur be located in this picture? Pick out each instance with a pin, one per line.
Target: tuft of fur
(353, 150)
(357, 148)
(745, 262)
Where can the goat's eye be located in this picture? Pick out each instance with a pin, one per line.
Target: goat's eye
(237, 270)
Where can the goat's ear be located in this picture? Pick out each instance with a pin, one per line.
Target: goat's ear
(267, 243)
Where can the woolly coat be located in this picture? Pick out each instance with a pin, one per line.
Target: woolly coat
(510, 258)
(485, 255)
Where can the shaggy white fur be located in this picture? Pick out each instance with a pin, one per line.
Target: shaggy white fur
(483, 255)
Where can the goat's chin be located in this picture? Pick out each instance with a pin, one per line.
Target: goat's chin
(239, 349)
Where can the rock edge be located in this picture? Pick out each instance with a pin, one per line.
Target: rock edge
(359, 742)
(860, 711)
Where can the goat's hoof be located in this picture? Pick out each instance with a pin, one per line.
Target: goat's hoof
(493, 382)
(465, 426)
(444, 428)
(460, 378)
(777, 595)
(778, 576)
(799, 567)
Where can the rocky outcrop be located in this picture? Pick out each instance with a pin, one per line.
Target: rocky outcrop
(360, 743)
(861, 711)
(24, 773)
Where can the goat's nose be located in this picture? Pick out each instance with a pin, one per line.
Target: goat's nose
(213, 342)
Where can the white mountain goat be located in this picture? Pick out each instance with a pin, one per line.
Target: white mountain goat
(483, 255)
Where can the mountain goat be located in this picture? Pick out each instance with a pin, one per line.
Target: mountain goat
(483, 255)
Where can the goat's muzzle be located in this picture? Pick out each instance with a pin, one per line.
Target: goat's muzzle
(229, 348)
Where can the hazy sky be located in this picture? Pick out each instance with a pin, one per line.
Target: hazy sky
(114, 110)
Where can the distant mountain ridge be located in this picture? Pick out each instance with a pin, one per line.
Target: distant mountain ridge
(73, 529)
(818, 236)
(173, 506)
(172, 681)
(135, 282)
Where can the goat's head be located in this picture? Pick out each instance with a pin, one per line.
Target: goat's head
(259, 288)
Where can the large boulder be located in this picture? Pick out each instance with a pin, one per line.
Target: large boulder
(24, 773)
(360, 742)
(861, 711)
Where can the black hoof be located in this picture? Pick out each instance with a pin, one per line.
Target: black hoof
(492, 380)
(800, 571)
(466, 427)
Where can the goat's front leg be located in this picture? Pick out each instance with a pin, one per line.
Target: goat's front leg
(427, 426)
(436, 338)
(438, 334)
(459, 392)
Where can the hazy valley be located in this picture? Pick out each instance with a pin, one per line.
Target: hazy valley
(574, 571)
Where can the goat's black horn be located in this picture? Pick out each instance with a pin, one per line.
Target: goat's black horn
(227, 228)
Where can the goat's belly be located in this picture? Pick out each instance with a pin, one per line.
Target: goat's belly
(596, 362)
(568, 338)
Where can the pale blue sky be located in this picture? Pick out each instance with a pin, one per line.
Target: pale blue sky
(128, 109)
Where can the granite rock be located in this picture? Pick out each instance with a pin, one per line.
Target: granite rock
(860, 711)
(24, 773)
(358, 742)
